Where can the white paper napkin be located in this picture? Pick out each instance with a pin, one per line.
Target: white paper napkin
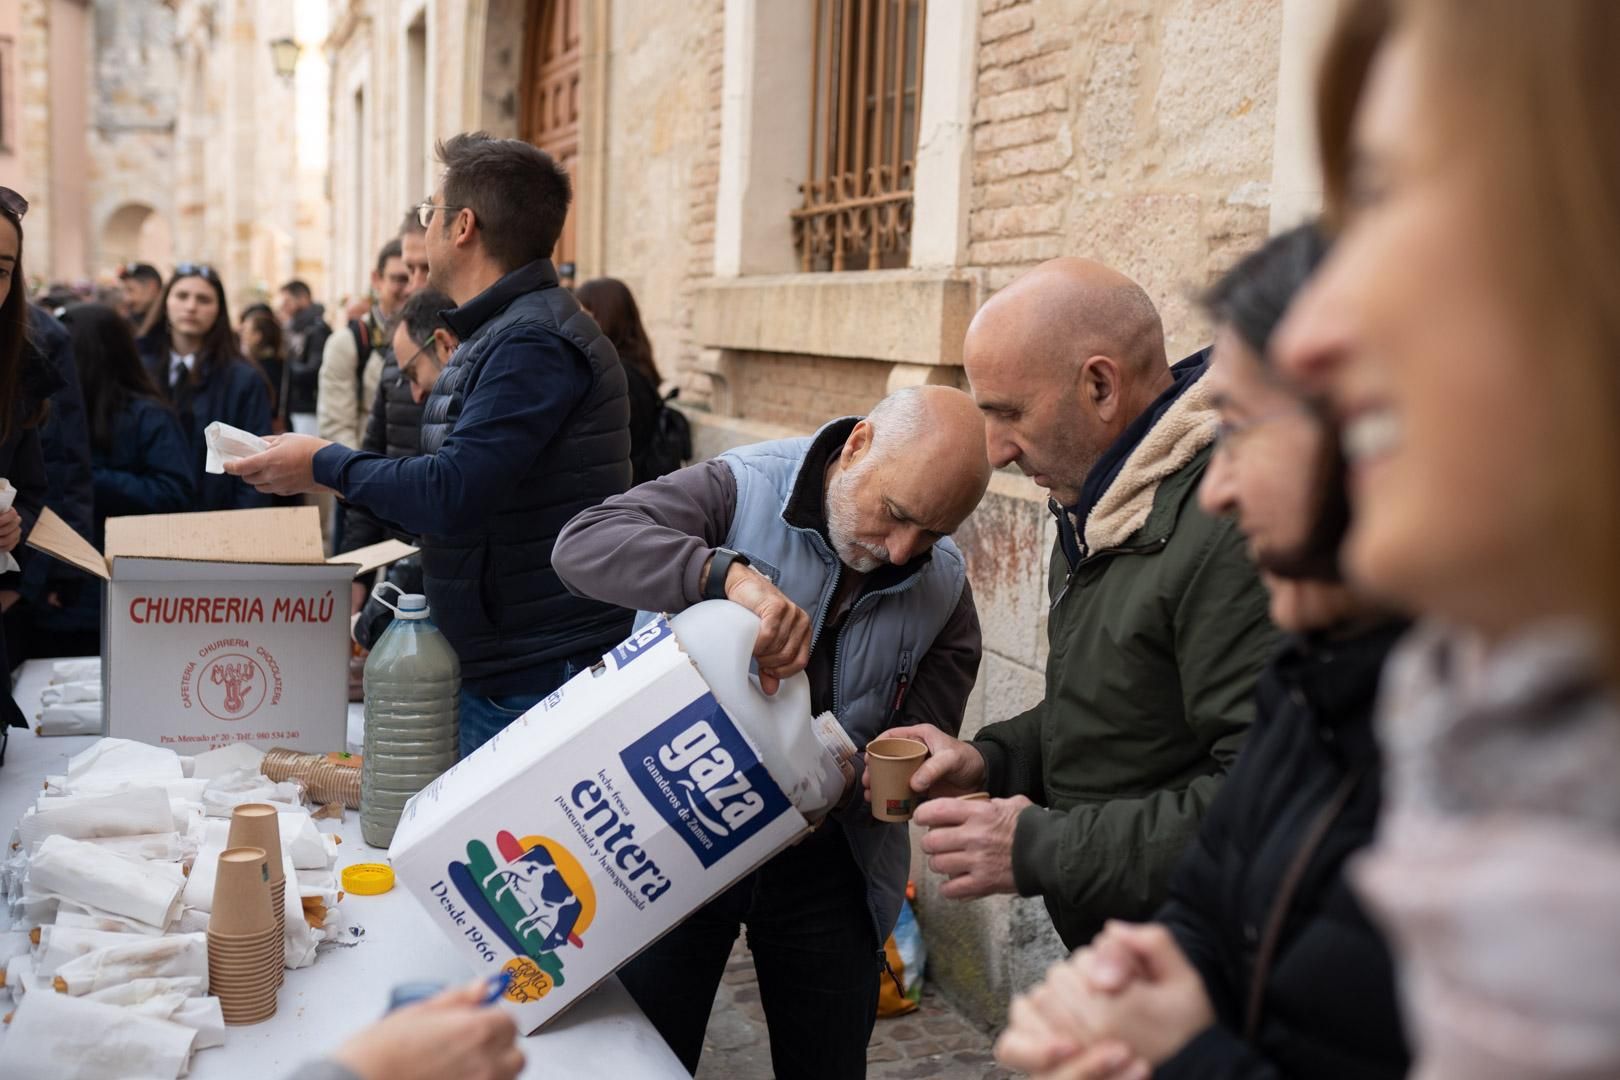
(226, 443)
(136, 812)
(71, 693)
(71, 913)
(169, 956)
(68, 1038)
(75, 670)
(59, 944)
(122, 760)
(8, 495)
(212, 763)
(149, 892)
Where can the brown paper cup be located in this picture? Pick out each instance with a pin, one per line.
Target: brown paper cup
(254, 825)
(892, 762)
(242, 893)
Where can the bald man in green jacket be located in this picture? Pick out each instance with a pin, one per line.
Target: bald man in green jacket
(1158, 624)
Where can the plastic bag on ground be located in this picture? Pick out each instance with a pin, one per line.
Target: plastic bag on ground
(907, 956)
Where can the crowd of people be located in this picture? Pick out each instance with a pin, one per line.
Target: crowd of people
(1321, 784)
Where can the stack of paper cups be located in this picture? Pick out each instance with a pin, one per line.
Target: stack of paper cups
(255, 825)
(244, 946)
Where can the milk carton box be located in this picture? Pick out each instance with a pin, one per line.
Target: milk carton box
(592, 825)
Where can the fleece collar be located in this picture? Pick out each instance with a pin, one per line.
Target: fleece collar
(1179, 425)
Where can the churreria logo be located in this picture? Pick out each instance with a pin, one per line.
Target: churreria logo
(536, 896)
(698, 771)
(232, 686)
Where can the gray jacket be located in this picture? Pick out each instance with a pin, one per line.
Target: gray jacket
(911, 626)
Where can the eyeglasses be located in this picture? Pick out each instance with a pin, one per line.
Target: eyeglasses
(1228, 434)
(191, 269)
(408, 368)
(424, 211)
(13, 203)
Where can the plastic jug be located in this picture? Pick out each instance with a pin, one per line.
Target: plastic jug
(413, 686)
(812, 760)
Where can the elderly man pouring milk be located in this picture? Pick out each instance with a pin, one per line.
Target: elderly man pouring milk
(839, 543)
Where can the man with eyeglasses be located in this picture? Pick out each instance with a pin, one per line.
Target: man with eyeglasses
(1158, 624)
(422, 345)
(526, 426)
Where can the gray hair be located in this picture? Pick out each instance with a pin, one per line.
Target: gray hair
(898, 420)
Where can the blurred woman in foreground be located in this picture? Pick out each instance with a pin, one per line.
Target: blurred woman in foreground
(1467, 327)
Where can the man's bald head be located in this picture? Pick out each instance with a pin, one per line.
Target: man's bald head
(937, 428)
(909, 473)
(1060, 362)
(1066, 310)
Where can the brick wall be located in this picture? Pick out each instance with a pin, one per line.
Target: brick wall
(1135, 133)
(1021, 142)
(703, 183)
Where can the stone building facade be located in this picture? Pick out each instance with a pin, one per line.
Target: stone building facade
(159, 131)
(1165, 137)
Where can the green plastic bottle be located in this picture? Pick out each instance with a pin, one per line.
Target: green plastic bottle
(413, 686)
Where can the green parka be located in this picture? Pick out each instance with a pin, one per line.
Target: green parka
(1156, 637)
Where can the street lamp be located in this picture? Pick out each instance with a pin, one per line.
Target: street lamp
(284, 54)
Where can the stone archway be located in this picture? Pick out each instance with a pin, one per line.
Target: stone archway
(135, 232)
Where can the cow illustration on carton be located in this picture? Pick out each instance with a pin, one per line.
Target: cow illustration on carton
(536, 897)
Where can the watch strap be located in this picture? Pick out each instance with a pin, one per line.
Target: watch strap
(719, 567)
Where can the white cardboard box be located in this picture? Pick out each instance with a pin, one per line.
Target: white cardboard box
(592, 825)
(222, 627)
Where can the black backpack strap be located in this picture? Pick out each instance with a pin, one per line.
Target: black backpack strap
(361, 329)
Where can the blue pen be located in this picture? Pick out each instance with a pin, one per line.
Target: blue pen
(498, 985)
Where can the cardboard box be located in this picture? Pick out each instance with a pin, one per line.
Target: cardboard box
(222, 627)
(592, 826)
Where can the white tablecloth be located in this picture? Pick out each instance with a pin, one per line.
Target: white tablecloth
(603, 1035)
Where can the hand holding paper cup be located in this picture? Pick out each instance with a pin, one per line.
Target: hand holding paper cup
(951, 768)
(891, 762)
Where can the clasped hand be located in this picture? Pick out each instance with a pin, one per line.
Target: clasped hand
(1114, 1010)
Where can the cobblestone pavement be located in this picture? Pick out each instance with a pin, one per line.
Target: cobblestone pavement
(933, 1043)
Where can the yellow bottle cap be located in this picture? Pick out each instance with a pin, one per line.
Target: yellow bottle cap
(368, 878)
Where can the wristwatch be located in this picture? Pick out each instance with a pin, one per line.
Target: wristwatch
(719, 567)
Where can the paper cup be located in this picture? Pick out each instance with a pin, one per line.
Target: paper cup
(254, 825)
(242, 893)
(892, 762)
